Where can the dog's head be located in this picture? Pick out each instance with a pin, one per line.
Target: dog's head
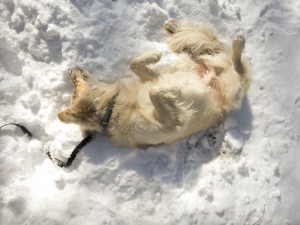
(80, 112)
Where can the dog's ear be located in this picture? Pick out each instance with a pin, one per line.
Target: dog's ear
(84, 106)
(77, 113)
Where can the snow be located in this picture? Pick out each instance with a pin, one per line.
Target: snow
(240, 172)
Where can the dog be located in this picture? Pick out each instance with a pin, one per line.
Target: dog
(208, 80)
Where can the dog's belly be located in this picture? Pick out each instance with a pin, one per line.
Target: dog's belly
(186, 64)
(195, 104)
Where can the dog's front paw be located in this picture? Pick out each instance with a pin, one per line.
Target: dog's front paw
(238, 43)
(171, 26)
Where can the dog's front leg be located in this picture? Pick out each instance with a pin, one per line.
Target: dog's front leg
(166, 107)
(140, 64)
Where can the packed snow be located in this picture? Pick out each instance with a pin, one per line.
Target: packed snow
(244, 170)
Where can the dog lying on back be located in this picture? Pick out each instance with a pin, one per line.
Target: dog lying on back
(209, 79)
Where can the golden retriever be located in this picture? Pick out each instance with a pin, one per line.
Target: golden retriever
(209, 79)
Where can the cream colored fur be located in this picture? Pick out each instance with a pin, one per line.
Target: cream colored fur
(209, 80)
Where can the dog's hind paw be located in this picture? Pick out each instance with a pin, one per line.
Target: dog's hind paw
(171, 26)
(238, 43)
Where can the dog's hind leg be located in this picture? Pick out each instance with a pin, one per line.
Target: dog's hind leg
(238, 44)
(140, 64)
(192, 39)
(166, 106)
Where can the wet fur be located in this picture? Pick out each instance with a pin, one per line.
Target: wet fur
(209, 80)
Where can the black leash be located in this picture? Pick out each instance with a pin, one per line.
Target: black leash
(24, 129)
(104, 122)
(73, 155)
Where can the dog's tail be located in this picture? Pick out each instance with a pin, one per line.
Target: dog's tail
(195, 40)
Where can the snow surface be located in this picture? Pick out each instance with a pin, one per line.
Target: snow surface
(244, 171)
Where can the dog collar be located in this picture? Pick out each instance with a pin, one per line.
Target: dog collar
(106, 118)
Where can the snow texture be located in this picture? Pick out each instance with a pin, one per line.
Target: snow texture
(242, 171)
